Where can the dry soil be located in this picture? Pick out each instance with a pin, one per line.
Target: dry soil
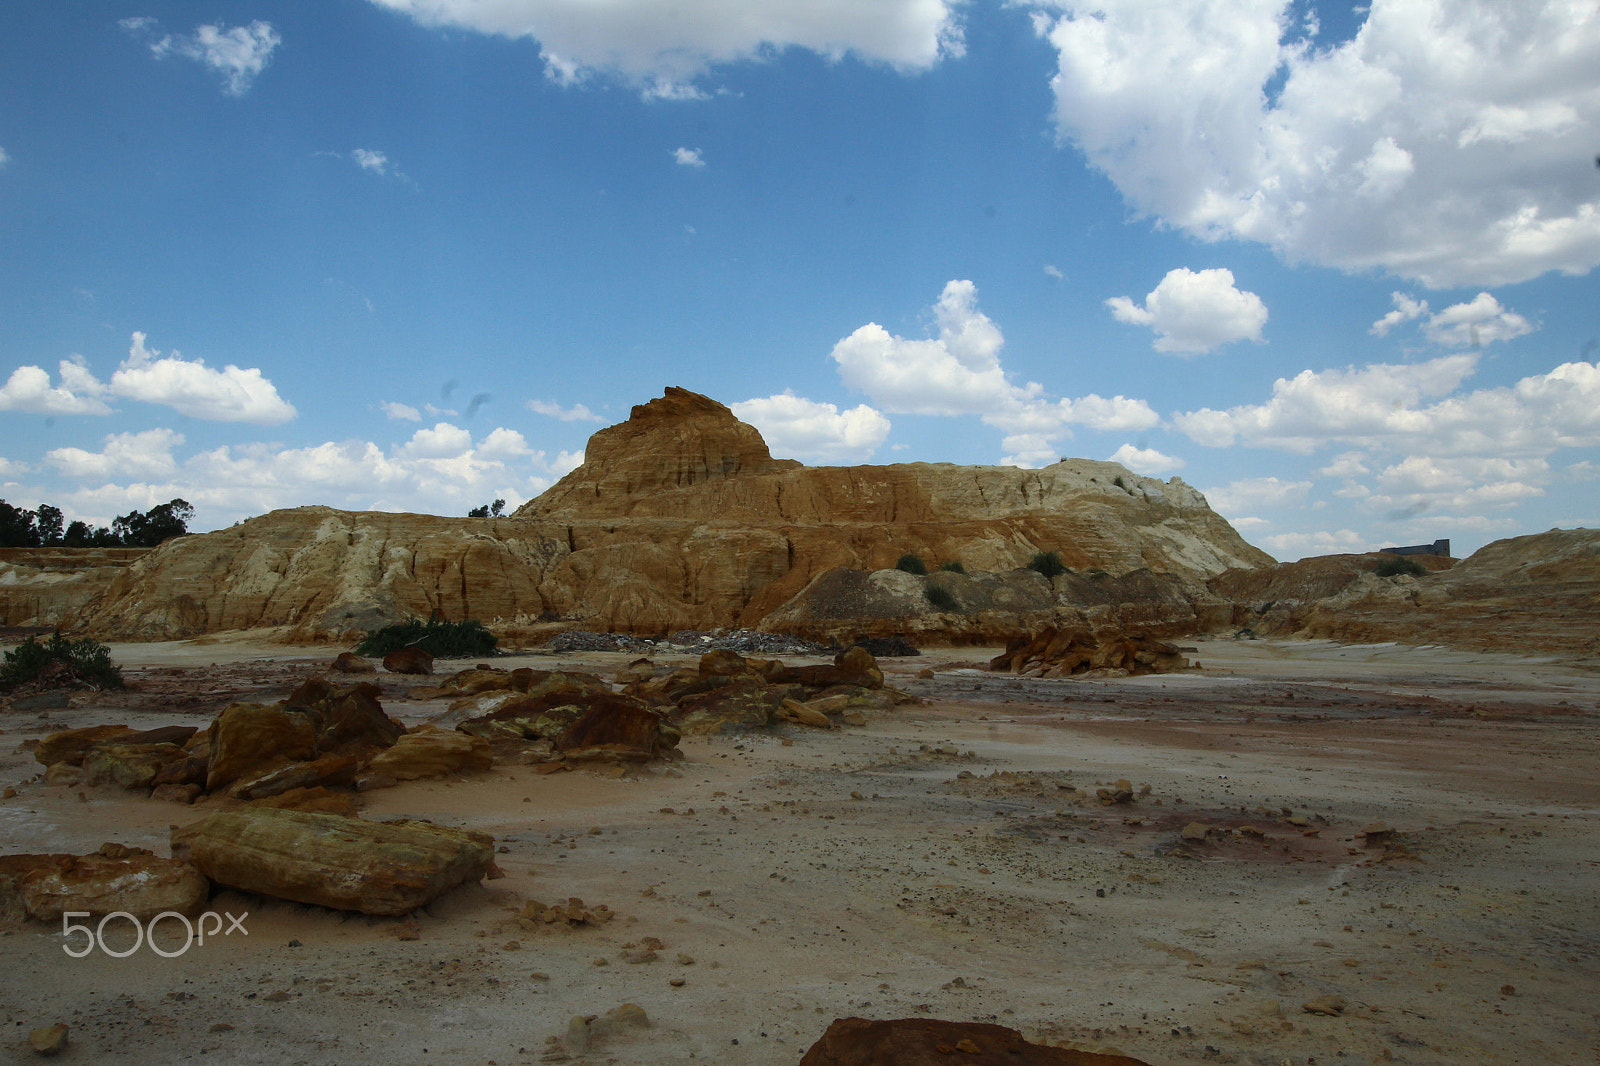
(951, 859)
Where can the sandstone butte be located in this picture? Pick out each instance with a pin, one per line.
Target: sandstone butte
(680, 518)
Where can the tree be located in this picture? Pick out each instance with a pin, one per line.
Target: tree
(164, 521)
(49, 521)
(17, 528)
(488, 510)
(42, 528)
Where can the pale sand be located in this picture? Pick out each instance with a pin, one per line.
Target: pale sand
(934, 894)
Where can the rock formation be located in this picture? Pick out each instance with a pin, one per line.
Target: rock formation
(678, 519)
(1531, 594)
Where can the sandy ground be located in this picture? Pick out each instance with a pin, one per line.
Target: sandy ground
(948, 860)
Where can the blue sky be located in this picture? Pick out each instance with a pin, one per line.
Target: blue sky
(1332, 265)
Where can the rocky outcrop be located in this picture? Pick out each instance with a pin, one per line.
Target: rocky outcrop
(1534, 594)
(48, 586)
(679, 518)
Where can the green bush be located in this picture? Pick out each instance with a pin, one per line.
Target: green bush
(1396, 565)
(1048, 563)
(440, 639)
(87, 662)
(954, 566)
(911, 564)
(941, 598)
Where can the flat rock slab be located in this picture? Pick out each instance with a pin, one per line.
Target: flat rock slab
(382, 868)
(927, 1041)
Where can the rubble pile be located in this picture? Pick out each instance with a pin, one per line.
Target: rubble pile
(1079, 653)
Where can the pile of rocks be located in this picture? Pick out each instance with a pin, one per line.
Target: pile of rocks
(293, 753)
(579, 716)
(1080, 653)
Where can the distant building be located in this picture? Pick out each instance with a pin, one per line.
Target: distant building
(1438, 547)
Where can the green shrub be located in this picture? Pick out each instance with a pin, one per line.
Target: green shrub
(953, 566)
(911, 564)
(442, 640)
(1048, 563)
(941, 598)
(87, 662)
(1396, 565)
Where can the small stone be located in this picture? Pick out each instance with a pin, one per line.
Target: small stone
(538, 976)
(1508, 990)
(9, 793)
(1329, 1006)
(1196, 831)
(276, 997)
(221, 1027)
(50, 1040)
(677, 982)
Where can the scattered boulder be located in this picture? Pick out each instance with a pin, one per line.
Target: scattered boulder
(745, 704)
(250, 739)
(114, 879)
(330, 769)
(348, 662)
(408, 661)
(380, 868)
(71, 745)
(428, 751)
(930, 1041)
(617, 727)
(128, 765)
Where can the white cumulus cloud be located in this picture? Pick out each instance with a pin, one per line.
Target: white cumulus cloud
(437, 471)
(1479, 322)
(1146, 461)
(1442, 142)
(401, 412)
(664, 48)
(239, 53)
(575, 413)
(688, 157)
(147, 454)
(815, 432)
(959, 373)
(190, 387)
(1195, 311)
(28, 389)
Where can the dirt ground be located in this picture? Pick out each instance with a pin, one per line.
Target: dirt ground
(950, 859)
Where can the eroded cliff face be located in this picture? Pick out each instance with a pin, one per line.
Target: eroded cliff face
(678, 519)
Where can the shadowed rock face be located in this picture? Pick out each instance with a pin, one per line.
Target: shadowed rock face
(678, 519)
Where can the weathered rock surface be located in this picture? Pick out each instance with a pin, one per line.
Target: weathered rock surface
(932, 1042)
(116, 879)
(1077, 653)
(428, 751)
(679, 519)
(382, 868)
